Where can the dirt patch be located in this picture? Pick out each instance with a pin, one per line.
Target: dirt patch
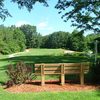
(51, 86)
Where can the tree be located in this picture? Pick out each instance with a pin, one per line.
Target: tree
(90, 40)
(85, 14)
(77, 41)
(33, 39)
(21, 3)
(58, 40)
(3, 12)
(11, 40)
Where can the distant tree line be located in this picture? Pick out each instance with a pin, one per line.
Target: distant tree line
(16, 39)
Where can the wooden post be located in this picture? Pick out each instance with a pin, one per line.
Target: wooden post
(82, 74)
(96, 50)
(62, 75)
(42, 75)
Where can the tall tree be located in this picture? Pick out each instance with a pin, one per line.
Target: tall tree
(29, 31)
(11, 40)
(89, 39)
(58, 40)
(77, 42)
(33, 39)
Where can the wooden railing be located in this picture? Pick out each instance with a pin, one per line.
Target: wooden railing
(62, 69)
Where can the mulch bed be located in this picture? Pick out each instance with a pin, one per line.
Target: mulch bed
(51, 86)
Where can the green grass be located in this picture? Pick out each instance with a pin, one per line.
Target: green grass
(85, 95)
(37, 56)
(42, 56)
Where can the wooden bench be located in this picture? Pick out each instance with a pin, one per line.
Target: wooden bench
(61, 69)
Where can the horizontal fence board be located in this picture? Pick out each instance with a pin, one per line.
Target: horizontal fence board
(72, 64)
(55, 68)
(69, 68)
(37, 68)
(54, 71)
(72, 72)
(61, 69)
(52, 65)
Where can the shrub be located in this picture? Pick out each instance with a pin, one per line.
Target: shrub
(96, 72)
(21, 73)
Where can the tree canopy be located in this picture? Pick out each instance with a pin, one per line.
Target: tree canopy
(16, 39)
(84, 14)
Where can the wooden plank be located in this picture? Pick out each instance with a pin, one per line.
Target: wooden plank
(62, 69)
(62, 79)
(51, 72)
(72, 64)
(43, 80)
(51, 68)
(62, 75)
(72, 72)
(67, 68)
(81, 75)
(37, 68)
(52, 65)
(37, 65)
(42, 75)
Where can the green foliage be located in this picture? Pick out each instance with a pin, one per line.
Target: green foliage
(77, 42)
(33, 39)
(57, 40)
(90, 41)
(21, 73)
(3, 12)
(84, 14)
(12, 40)
(28, 3)
(95, 72)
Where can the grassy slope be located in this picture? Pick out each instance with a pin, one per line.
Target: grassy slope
(39, 56)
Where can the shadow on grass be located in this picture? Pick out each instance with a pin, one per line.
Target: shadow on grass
(31, 60)
(45, 59)
(2, 83)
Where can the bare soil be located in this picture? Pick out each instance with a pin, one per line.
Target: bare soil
(51, 86)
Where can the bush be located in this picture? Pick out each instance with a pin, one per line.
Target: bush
(21, 73)
(96, 72)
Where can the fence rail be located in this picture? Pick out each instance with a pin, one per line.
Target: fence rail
(61, 69)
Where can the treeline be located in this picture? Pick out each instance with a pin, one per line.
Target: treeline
(15, 39)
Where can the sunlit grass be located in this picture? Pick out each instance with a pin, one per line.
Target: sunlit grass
(42, 56)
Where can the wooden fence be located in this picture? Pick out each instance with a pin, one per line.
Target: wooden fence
(61, 69)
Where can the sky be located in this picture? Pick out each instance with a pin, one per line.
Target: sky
(46, 19)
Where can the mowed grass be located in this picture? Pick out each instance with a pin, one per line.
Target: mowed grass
(42, 56)
(33, 56)
(84, 95)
